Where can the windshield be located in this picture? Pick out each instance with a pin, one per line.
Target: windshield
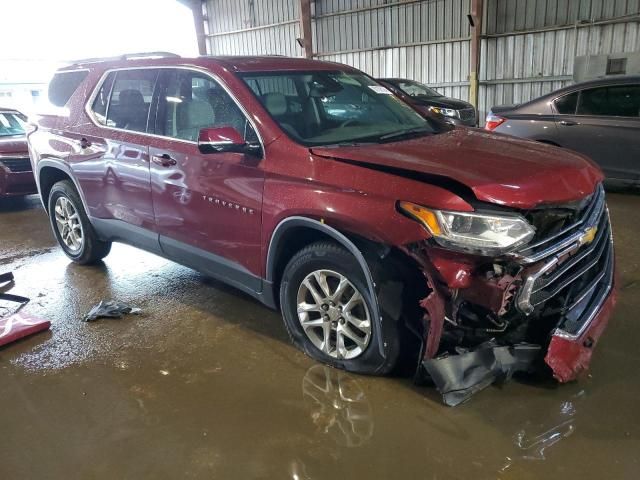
(415, 89)
(328, 108)
(11, 124)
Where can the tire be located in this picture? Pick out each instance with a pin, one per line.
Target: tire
(348, 314)
(83, 247)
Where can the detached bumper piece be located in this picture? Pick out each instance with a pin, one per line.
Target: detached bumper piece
(458, 377)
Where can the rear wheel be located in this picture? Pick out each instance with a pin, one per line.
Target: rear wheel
(328, 311)
(71, 226)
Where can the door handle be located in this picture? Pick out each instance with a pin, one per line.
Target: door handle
(84, 143)
(163, 160)
(568, 123)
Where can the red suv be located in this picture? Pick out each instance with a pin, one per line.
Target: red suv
(378, 233)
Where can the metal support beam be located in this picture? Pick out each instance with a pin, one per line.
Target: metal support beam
(305, 28)
(476, 32)
(198, 22)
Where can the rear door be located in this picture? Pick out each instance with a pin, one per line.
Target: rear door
(207, 207)
(604, 124)
(112, 163)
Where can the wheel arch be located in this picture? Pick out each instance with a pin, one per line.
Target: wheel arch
(294, 233)
(51, 171)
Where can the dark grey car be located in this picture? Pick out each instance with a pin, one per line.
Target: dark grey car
(600, 118)
(428, 101)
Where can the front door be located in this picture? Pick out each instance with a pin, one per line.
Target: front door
(605, 127)
(207, 207)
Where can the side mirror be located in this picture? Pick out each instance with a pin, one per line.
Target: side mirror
(224, 139)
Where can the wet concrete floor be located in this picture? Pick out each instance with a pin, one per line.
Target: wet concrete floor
(205, 384)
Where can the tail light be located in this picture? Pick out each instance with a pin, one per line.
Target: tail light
(493, 121)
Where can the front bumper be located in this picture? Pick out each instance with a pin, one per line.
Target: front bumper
(14, 184)
(465, 123)
(558, 299)
(569, 356)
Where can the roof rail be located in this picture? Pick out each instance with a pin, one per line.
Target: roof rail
(127, 56)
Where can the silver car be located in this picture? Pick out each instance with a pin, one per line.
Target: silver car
(600, 118)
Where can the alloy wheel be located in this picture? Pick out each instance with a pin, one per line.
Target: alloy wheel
(68, 224)
(334, 314)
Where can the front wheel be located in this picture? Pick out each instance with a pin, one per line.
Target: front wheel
(71, 226)
(328, 311)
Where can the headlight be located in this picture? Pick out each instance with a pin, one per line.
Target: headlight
(447, 112)
(470, 231)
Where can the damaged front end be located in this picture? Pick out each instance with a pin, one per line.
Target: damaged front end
(540, 307)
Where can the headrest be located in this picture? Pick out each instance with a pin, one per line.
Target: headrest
(130, 98)
(196, 113)
(275, 103)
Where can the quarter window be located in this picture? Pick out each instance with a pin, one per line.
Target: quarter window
(619, 101)
(62, 86)
(191, 101)
(566, 105)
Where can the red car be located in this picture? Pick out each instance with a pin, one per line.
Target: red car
(379, 234)
(16, 177)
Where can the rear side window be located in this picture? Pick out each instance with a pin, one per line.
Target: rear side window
(566, 105)
(62, 86)
(131, 99)
(129, 93)
(618, 101)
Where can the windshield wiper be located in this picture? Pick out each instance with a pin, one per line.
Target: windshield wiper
(406, 133)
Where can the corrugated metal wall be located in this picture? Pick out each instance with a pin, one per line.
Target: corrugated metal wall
(424, 40)
(529, 45)
(253, 27)
(427, 40)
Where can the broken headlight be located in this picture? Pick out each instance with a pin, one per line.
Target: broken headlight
(471, 231)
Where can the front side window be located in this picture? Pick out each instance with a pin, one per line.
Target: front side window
(566, 105)
(130, 99)
(191, 101)
(619, 101)
(327, 107)
(11, 123)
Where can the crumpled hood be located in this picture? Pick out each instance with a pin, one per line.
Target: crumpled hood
(13, 144)
(497, 168)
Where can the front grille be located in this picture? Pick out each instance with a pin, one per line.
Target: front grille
(580, 268)
(563, 234)
(576, 268)
(16, 164)
(467, 114)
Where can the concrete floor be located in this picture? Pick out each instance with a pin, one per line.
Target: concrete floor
(205, 384)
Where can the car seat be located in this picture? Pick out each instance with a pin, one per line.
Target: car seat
(193, 116)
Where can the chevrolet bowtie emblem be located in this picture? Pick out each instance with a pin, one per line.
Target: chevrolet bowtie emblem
(588, 236)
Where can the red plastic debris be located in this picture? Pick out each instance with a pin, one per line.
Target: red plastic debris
(20, 325)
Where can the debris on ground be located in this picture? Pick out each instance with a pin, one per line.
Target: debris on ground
(110, 309)
(458, 376)
(15, 324)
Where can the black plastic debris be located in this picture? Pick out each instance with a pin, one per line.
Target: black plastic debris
(458, 376)
(7, 282)
(110, 309)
